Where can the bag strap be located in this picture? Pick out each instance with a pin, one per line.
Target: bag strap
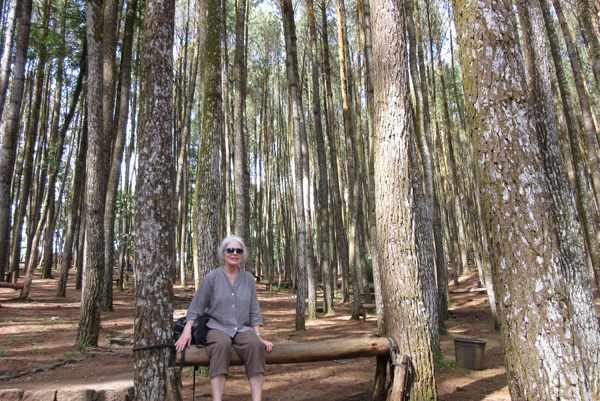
(194, 383)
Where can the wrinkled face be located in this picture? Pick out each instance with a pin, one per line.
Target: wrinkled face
(235, 258)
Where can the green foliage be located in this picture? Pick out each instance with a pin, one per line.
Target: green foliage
(203, 371)
(4, 353)
(446, 364)
(36, 348)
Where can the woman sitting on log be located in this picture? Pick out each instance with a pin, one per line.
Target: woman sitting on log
(228, 297)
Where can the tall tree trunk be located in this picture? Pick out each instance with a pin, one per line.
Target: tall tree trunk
(349, 131)
(371, 193)
(584, 199)
(542, 361)
(242, 176)
(31, 134)
(55, 152)
(584, 103)
(10, 138)
(423, 189)
(337, 206)
(91, 302)
(154, 246)
(590, 34)
(80, 240)
(568, 232)
(74, 215)
(117, 154)
(323, 189)
(109, 45)
(208, 179)
(405, 310)
(6, 63)
(291, 62)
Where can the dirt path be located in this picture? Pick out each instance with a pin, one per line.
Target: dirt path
(36, 340)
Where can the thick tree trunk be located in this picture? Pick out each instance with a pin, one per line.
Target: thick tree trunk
(154, 237)
(405, 307)
(542, 360)
(572, 258)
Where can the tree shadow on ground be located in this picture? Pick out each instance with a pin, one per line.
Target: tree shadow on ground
(477, 390)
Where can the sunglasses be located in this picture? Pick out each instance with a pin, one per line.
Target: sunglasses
(232, 250)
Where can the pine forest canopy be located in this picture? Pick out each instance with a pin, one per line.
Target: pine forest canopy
(386, 144)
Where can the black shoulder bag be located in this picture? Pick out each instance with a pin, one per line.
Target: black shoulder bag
(199, 329)
(199, 332)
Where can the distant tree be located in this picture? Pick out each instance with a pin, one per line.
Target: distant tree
(10, 136)
(289, 30)
(119, 142)
(241, 142)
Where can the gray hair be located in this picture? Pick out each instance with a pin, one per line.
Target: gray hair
(226, 241)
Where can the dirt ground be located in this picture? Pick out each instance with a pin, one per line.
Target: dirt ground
(37, 338)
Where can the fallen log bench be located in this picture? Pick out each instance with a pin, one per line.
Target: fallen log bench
(14, 286)
(318, 351)
(366, 306)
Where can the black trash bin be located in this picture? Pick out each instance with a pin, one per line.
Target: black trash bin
(469, 353)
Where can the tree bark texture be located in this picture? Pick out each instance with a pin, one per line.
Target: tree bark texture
(89, 323)
(208, 180)
(404, 280)
(537, 327)
(564, 215)
(154, 237)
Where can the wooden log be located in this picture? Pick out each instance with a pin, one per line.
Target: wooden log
(469, 290)
(313, 351)
(14, 286)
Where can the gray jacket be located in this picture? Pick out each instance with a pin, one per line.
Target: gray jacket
(231, 309)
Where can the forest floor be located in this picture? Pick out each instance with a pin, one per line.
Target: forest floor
(37, 353)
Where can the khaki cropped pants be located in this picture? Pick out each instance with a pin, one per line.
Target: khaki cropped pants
(247, 345)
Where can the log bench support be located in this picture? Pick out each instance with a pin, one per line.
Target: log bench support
(364, 306)
(318, 351)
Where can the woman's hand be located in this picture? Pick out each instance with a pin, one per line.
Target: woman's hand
(186, 337)
(267, 344)
(184, 341)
